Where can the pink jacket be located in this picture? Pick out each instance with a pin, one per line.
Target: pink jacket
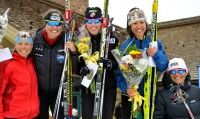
(18, 89)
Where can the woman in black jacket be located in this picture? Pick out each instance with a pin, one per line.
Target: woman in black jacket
(49, 56)
(178, 93)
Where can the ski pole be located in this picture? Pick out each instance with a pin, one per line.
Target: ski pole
(180, 95)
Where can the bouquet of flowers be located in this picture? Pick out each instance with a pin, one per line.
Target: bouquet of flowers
(133, 67)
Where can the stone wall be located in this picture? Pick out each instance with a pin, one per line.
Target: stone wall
(76, 5)
(181, 38)
(27, 14)
(183, 41)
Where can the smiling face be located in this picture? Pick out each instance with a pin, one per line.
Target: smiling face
(178, 75)
(23, 48)
(53, 31)
(94, 29)
(139, 28)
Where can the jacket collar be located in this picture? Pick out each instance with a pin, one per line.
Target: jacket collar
(21, 59)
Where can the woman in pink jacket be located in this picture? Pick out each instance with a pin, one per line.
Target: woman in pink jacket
(18, 82)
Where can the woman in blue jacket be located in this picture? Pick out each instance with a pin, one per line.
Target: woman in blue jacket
(137, 29)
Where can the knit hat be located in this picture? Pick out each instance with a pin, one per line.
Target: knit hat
(135, 15)
(177, 63)
(53, 15)
(93, 13)
(23, 36)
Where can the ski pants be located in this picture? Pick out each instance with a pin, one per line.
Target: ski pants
(126, 108)
(47, 100)
(108, 104)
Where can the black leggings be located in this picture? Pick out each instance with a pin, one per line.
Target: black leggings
(48, 100)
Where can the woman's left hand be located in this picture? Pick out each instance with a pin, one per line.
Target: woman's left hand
(131, 92)
(70, 45)
(151, 51)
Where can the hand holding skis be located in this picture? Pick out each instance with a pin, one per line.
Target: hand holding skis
(70, 45)
(151, 51)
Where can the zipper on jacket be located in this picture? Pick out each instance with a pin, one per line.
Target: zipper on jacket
(30, 87)
(140, 44)
(51, 56)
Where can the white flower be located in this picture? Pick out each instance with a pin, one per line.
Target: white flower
(127, 59)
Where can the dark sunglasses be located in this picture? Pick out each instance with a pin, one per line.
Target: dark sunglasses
(179, 71)
(95, 21)
(54, 23)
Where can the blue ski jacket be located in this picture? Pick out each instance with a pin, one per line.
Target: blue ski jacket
(160, 58)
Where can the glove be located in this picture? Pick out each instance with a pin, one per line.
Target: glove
(107, 63)
(84, 71)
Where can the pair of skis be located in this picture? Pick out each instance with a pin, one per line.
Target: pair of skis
(150, 82)
(101, 72)
(66, 86)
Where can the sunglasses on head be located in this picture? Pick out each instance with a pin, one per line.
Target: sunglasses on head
(54, 23)
(179, 71)
(93, 21)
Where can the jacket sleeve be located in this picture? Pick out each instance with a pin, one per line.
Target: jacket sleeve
(3, 83)
(159, 112)
(75, 62)
(161, 58)
(121, 83)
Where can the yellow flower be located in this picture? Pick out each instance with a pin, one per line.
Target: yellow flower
(85, 39)
(83, 48)
(90, 58)
(83, 45)
(135, 97)
(135, 52)
(124, 67)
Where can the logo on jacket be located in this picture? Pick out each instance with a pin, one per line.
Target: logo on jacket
(38, 52)
(112, 41)
(60, 58)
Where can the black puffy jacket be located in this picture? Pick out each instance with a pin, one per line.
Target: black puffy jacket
(166, 105)
(49, 61)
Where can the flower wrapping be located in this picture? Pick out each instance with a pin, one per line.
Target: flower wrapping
(133, 66)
